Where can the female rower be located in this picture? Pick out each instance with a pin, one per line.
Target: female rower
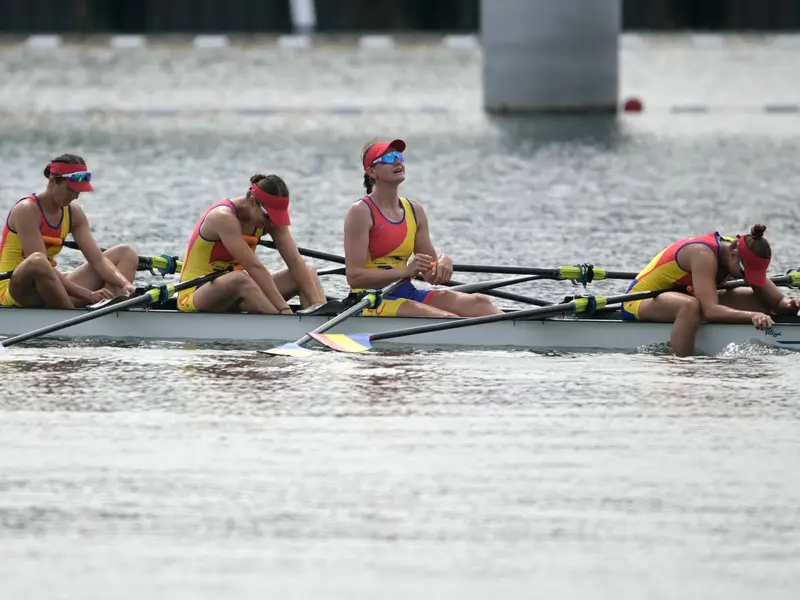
(698, 265)
(383, 229)
(227, 235)
(33, 234)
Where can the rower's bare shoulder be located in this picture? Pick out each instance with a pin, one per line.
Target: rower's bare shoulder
(359, 211)
(25, 209)
(694, 257)
(419, 210)
(75, 210)
(220, 214)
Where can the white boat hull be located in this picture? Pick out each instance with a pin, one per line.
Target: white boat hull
(563, 333)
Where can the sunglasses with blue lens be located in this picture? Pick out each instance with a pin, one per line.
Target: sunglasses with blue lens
(389, 158)
(78, 177)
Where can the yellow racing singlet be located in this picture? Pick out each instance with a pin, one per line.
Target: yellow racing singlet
(391, 243)
(11, 255)
(206, 256)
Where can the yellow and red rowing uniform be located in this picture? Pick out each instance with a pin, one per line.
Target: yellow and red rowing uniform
(390, 246)
(206, 256)
(11, 255)
(665, 271)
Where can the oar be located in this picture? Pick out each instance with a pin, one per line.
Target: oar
(361, 342)
(335, 258)
(149, 297)
(296, 348)
(485, 286)
(164, 264)
(579, 273)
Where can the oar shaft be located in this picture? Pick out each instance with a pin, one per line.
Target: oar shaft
(340, 260)
(566, 273)
(485, 286)
(334, 258)
(506, 295)
(147, 298)
(576, 305)
(82, 318)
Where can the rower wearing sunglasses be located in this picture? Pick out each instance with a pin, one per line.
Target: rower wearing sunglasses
(695, 266)
(226, 236)
(32, 237)
(381, 232)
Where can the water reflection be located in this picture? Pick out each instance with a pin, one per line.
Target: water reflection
(520, 134)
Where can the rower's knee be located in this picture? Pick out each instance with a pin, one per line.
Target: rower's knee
(690, 311)
(39, 264)
(312, 270)
(122, 253)
(242, 282)
(482, 301)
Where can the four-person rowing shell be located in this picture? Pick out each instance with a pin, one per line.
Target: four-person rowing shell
(387, 245)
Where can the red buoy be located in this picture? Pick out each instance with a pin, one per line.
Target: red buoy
(633, 105)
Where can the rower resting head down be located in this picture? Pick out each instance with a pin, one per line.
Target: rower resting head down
(227, 235)
(381, 232)
(695, 267)
(33, 235)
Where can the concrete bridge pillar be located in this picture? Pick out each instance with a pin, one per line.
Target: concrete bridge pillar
(553, 56)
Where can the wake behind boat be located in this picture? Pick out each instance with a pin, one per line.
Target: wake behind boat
(605, 331)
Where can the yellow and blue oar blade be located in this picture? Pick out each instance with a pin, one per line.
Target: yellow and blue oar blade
(345, 342)
(292, 349)
(368, 300)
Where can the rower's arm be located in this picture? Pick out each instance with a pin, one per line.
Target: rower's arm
(285, 244)
(424, 245)
(26, 219)
(357, 224)
(101, 265)
(702, 264)
(226, 226)
(770, 296)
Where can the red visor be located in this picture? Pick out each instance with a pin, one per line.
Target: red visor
(380, 149)
(277, 207)
(57, 168)
(755, 267)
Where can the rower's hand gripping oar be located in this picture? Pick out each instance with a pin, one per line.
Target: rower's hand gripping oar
(152, 296)
(370, 300)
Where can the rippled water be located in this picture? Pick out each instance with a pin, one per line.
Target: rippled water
(199, 471)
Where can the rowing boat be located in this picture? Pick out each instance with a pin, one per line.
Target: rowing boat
(602, 332)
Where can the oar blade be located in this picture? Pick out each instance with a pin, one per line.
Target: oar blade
(352, 343)
(288, 350)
